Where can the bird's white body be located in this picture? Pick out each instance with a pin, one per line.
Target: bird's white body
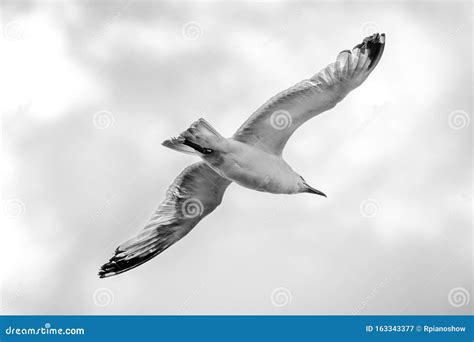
(253, 168)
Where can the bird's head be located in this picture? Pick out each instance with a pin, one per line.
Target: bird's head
(305, 187)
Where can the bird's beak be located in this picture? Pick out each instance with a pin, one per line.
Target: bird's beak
(312, 190)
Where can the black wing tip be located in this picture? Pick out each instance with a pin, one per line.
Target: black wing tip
(120, 264)
(375, 38)
(370, 41)
(107, 270)
(375, 45)
(103, 274)
(111, 267)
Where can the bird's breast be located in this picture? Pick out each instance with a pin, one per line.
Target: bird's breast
(255, 169)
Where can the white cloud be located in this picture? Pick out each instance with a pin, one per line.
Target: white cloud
(37, 70)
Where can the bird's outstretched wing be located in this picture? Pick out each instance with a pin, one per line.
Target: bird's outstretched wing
(195, 193)
(270, 127)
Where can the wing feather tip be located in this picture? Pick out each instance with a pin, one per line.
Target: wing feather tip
(105, 271)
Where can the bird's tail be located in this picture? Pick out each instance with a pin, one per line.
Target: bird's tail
(200, 138)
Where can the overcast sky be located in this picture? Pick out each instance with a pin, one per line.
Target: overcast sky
(91, 90)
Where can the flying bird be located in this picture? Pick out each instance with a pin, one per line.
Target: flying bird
(252, 157)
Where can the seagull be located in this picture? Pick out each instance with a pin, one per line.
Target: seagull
(252, 157)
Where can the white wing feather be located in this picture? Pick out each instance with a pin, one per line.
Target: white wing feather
(194, 194)
(296, 105)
